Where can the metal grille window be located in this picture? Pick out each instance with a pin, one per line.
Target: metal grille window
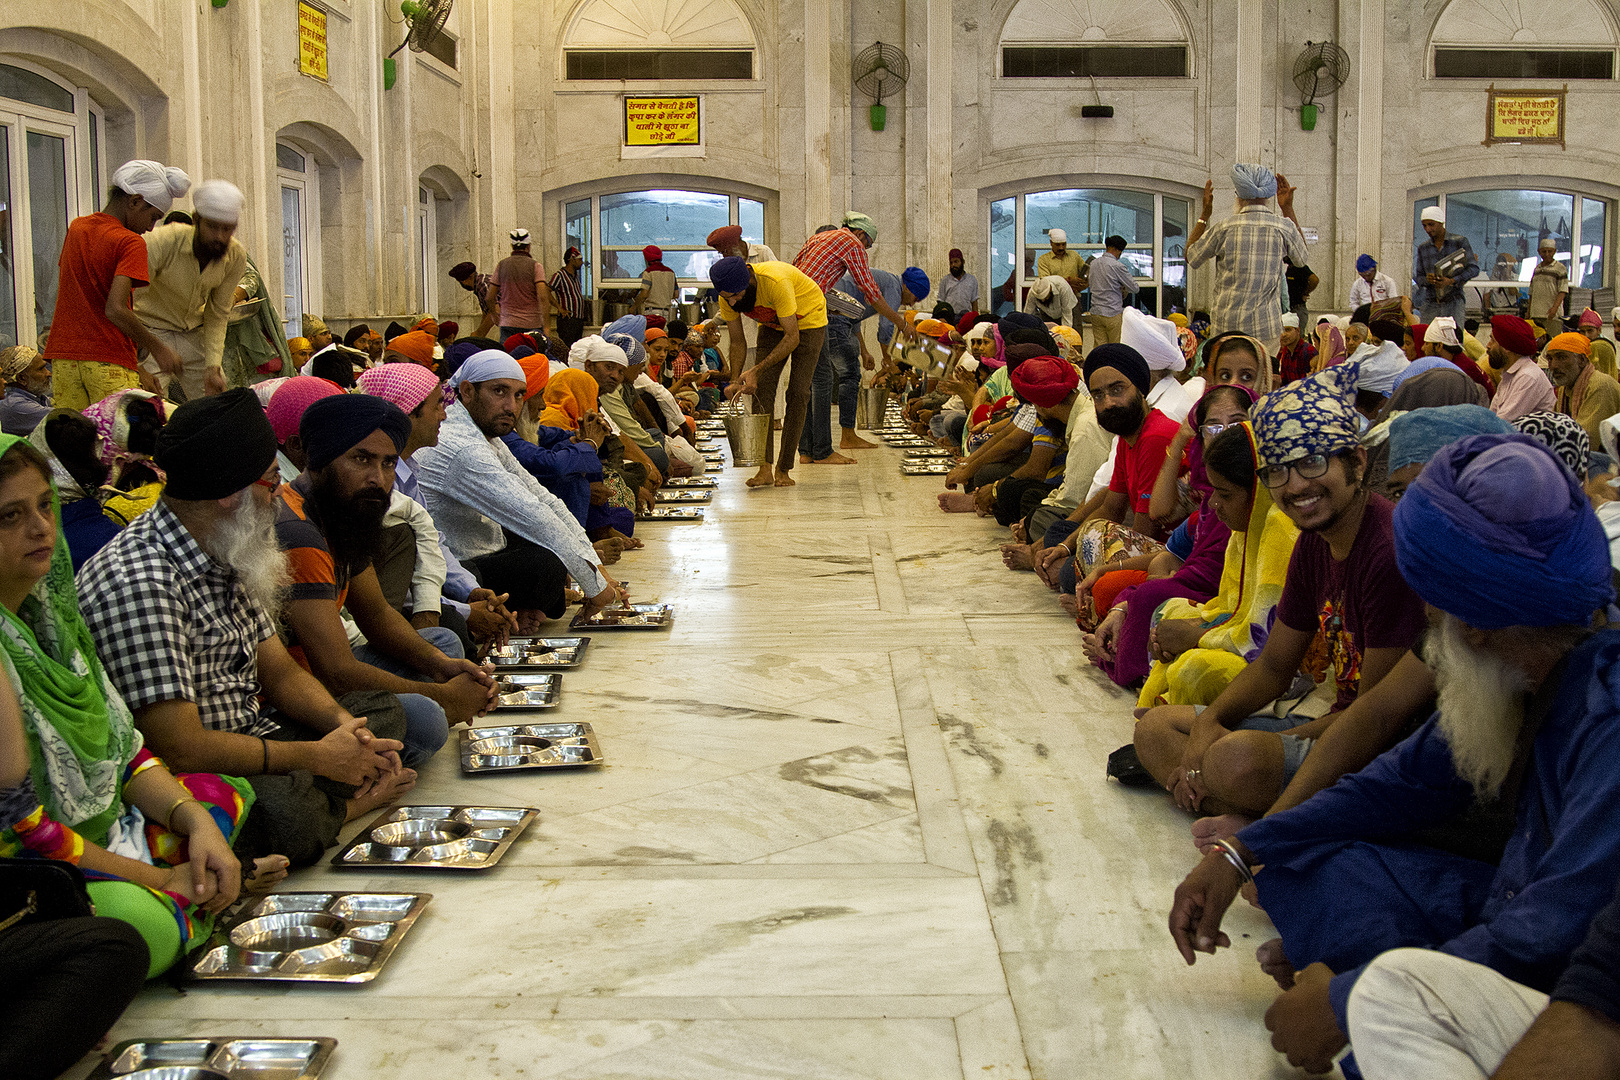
(688, 64)
(1454, 63)
(1099, 61)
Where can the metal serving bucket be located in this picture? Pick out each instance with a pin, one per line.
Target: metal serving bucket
(748, 434)
(874, 403)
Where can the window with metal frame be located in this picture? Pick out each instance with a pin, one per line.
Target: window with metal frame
(687, 64)
(1461, 63)
(1094, 61)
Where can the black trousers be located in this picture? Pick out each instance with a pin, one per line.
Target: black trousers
(67, 981)
(298, 814)
(1017, 499)
(533, 576)
(570, 329)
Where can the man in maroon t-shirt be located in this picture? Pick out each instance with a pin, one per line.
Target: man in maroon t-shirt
(94, 332)
(1342, 582)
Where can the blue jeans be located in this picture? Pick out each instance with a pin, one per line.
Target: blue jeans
(816, 439)
(426, 727)
(844, 349)
(1455, 308)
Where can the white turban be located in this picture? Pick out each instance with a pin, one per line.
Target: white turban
(969, 364)
(153, 181)
(487, 365)
(1443, 331)
(1434, 213)
(1042, 289)
(1380, 365)
(1290, 319)
(1616, 315)
(1156, 340)
(219, 201)
(594, 350)
(1253, 181)
(977, 332)
(1057, 236)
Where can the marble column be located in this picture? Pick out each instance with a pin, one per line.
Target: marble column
(817, 121)
(1249, 78)
(940, 190)
(1369, 64)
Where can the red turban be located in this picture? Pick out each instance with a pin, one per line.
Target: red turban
(1514, 334)
(725, 237)
(1044, 381)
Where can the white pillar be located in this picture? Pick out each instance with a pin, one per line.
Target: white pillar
(1369, 64)
(191, 51)
(259, 237)
(1248, 80)
(817, 118)
(940, 187)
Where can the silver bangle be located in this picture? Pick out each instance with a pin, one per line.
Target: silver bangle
(1230, 852)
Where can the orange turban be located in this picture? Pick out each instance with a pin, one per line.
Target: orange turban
(1568, 342)
(568, 397)
(537, 370)
(416, 346)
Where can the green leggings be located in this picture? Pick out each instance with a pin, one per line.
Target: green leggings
(151, 917)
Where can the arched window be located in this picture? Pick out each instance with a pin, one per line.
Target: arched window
(1154, 226)
(1077, 39)
(51, 171)
(659, 39)
(1525, 39)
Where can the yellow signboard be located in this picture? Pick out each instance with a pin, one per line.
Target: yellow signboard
(1525, 116)
(663, 121)
(311, 41)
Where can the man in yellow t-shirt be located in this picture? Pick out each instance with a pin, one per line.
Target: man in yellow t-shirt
(792, 315)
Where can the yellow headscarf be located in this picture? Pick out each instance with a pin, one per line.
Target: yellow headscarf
(568, 395)
(1238, 618)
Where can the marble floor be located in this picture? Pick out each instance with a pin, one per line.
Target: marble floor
(853, 824)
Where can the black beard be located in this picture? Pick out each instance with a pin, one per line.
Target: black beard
(749, 297)
(1123, 420)
(352, 527)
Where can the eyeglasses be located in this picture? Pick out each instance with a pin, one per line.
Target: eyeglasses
(273, 485)
(1212, 430)
(1308, 468)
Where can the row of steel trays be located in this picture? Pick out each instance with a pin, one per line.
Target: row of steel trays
(682, 498)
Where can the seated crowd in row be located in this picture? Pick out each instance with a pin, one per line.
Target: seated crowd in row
(1364, 593)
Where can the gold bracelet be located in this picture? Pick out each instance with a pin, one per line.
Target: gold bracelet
(168, 818)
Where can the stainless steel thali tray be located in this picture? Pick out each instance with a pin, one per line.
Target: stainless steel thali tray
(931, 452)
(926, 468)
(691, 482)
(908, 443)
(437, 837)
(528, 746)
(331, 937)
(229, 1058)
(672, 513)
(524, 691)
(633, 617)
(692, 496)
(539, 653)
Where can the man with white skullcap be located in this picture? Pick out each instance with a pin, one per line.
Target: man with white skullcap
(1249, 248)
(1061, 262)
(1440, 268)
(194, 270)
(522, 294)
(94, 333)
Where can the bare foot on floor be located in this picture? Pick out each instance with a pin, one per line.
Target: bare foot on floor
(1066, 601)
(377, 793)
(626, 543)
(264, 874)
(956, 502)
(1016, 556)
(608, 550)
(1274, 962)
(784, 480)
(852, 441)
(1207, 831)
(834, 458)
(804, 459)
(762, 478)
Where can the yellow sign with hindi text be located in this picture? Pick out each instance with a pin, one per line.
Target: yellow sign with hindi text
(663, 121)
(1525, 116)
(311, 41)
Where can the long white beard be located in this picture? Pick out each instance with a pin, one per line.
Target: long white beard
(1481, 708)
(246, 542)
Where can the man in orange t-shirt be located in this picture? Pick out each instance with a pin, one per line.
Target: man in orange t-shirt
(94, 332)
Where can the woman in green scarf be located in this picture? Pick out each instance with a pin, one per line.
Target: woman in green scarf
(156, 849)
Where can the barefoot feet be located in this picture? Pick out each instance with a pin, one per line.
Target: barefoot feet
(956, 502)
(851, 441)
(834, 458)
(263, 874)
(762, 478)
(1017, 557)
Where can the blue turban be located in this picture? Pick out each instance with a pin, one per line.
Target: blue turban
(1123, 359)
(915, 281)
(1497, 532)
(333, 425)
(1314, 415)
(1365, 263)
(631, 325)
(487, 365)
(1418, 367)
(458, 354)
(634, 351)
(1415, 436)
(730, 274)
(1254, 181)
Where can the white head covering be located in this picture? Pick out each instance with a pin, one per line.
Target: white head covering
(487, 365)
(969, 364)
(1434, 213)
(1379, 366)
(1443, 331)
(153, 181)
(1042, 289)
(1057, 236)
(219, 201)
(595, 350)
(1290, 319)
(1156, 340)
(1342, 322)
(1615, 315)
(977, 332)
(519, 237)
(266, 390)
(1609, 435)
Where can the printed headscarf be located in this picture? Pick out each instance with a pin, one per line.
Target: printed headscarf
(1313, 415)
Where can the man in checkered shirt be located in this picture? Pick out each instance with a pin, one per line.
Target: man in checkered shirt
(178, 604)
(1248, 249)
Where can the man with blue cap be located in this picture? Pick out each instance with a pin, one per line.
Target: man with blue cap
(1371, 284)
(1498, 537)
(514, 535)
(1249, 248)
